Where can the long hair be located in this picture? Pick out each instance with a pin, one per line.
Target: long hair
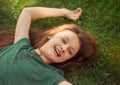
(88, 50)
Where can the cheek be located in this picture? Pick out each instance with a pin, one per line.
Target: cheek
(56, 41)
(52, 42)
(62, 60)
(67, 57)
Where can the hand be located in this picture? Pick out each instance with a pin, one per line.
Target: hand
(73, 15)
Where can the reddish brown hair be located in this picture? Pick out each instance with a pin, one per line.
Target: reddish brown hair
(87, 52)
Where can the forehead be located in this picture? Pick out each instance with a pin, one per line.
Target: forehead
(67, 33)
(71, 37)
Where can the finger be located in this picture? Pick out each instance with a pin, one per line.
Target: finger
(79, 13)
(78, 10)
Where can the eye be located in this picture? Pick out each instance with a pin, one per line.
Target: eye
(63, 41)
(70, 52)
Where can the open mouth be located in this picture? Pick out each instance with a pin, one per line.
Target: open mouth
(57, 51)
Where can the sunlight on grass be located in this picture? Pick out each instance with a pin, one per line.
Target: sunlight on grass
(100, 18)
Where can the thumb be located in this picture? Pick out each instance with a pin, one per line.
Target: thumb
(78, 10)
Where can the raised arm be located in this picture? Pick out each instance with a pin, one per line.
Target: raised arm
(32, 13)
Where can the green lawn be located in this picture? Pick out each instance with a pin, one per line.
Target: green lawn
(100, 18)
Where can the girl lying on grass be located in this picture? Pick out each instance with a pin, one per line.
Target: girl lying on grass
(32, 57)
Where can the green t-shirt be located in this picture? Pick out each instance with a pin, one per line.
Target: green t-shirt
(21, 65)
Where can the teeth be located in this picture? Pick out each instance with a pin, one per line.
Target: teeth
(57, 51)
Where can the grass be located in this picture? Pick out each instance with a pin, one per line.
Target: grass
(100, 18)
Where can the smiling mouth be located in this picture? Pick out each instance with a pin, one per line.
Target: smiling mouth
(57, 51)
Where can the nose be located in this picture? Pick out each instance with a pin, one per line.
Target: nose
(64, 48)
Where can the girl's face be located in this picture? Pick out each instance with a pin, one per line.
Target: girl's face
(60, 47)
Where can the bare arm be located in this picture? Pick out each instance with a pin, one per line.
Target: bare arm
(32, 13)
(64, 83)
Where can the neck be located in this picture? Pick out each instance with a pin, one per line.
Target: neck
(39, 52)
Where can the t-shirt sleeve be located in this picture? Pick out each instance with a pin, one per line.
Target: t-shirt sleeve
(23, 42)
